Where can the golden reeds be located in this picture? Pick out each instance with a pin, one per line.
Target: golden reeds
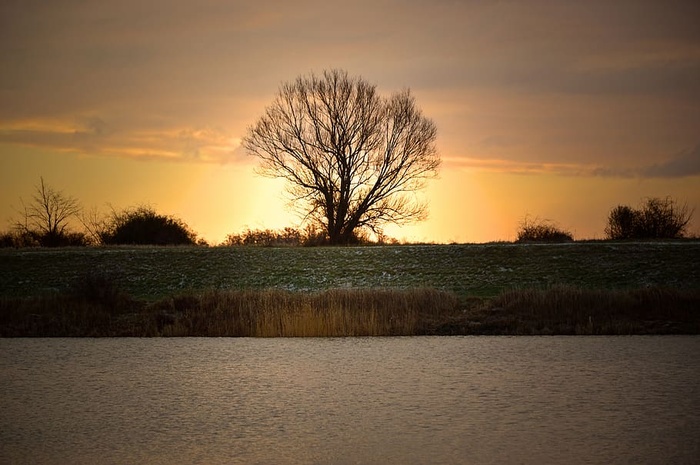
(276, 313)
(355, 312)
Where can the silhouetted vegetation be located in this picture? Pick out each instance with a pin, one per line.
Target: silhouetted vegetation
(18, 239)
(310, 236)
(287, 237)
(144, 226)
(656, 219)
(44, 220)
(541, 231)
(351, 158)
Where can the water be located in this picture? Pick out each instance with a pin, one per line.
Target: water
(456, 400)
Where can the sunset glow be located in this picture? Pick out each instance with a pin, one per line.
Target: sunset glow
(559, 111)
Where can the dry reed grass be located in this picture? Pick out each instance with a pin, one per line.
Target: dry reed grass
(276, 313)
(101, 310)
(574, 310)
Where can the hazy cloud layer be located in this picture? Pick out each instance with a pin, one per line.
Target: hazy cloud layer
(93, 136)
(606, 88)
(684, 164)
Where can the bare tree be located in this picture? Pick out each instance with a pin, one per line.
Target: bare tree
(95, 223)
(48, 214)
(351, 158)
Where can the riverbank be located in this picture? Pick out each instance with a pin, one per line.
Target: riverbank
(576, 288)
(102, 310)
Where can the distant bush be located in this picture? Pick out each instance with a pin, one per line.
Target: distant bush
(17, 239)
(63, 239)
(143, 226)
(656, 219)
(310, 236)
(289, 237)
(266, 238)
(29, 238)
(541, 231)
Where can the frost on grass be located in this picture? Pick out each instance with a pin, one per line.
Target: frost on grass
(482, 270)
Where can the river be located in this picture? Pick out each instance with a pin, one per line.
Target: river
(413, 400)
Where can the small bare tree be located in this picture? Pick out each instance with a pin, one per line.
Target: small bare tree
(48, 214)
(95, 223)
(351, 158)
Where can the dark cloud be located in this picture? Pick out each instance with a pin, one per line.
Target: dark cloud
(684, 164)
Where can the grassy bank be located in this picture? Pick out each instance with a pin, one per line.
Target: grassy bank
(154, 273)
(353, 312)
(578, 288)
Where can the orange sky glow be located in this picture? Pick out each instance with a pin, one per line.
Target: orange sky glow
(556, 110)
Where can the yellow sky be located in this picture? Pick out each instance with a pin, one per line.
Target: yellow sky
(557, 110)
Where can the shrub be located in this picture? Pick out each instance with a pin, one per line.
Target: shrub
(27, 238)
(656, 219)
(541, 231)
(143, 226)
(63, 239)
(17, 239)
(266, 238)
(622, 223)
(309, 236)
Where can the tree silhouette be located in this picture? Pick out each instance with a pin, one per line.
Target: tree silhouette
(47, 216)
(351, 158)
(656, 219)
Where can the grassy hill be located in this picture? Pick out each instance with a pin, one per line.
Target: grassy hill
(486, 270)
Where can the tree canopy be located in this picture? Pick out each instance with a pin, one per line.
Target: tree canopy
(351, 158)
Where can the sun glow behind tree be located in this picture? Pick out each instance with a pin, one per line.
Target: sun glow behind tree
(351, 159)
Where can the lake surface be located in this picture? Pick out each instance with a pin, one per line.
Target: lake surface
(423, 400)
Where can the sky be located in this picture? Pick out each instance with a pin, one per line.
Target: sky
(557, 110)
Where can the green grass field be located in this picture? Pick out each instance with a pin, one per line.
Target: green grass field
(151, 273)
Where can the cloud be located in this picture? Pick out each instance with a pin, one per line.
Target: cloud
(91, 126)
(683, 164)
(180, 80)
(93, 136)
(516, 167)
(686, 163)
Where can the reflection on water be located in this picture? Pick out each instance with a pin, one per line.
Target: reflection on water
(424, 400)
